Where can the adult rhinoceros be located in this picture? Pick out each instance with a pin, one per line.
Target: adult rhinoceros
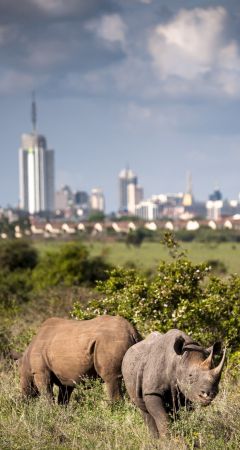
(65, 351)
(165, 370)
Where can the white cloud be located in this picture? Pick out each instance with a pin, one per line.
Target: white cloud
(193, 45)
(12, 81)
(137, 112)
(111, 28)
(147, 2)
(55, 6)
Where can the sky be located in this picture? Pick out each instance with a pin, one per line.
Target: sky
(152, 84)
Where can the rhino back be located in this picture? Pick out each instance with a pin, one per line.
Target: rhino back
(70, 348)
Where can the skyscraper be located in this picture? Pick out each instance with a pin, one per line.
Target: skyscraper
(126, 177)
(97, 201)
(36, 171)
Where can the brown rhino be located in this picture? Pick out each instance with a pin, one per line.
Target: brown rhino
(165, 371)
(65, 351)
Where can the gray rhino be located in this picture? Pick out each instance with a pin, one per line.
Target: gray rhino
(165, 371)
(65, 351)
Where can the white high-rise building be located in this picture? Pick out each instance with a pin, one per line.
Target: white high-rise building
(135, 196)
(126, 178)
(36, 171)
(97, 201)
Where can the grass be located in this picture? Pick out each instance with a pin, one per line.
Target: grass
(149, 254)
(89, 422)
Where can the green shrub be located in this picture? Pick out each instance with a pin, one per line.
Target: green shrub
(217, 266)
(17, 255)
(181, 295)
(70, 265)
(15, 287)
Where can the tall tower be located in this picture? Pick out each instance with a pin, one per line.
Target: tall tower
(126, 178)
(36, 170)
(188, 195)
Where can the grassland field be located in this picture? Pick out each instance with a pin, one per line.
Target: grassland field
(89, 422)
(149, 254)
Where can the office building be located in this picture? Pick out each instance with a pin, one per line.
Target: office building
(126, 177)
(134, 197)
(36, 171)
(97, 201)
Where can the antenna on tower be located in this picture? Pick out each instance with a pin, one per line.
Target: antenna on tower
(34, 113)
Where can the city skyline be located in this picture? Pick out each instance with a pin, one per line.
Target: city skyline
(154, 83)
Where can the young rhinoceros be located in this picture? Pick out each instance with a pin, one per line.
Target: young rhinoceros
(65, 351)
(164, 371)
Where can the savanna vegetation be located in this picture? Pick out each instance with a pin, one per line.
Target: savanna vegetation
(82, 280)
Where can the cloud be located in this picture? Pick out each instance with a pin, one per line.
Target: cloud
(146, 2)
(186, 46)
(110, 28)
(193, 46)
(138, 113)
(56, 6)
(12, 82)
(46, 53)
(42, 11)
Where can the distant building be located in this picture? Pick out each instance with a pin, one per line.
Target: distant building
(188, 195)
(81, 203)
(63, 198)
(135, 196)
(126, 178)
(215, 196)
(81, 198)
(214, 208)
(97, 200)
(147, 210)
(36, 172)
(214, 205)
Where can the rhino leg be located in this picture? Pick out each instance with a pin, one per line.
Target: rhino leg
(155, 408)
(64, 394)
(42, 380)
(113, 387)
(151, 424)
(28, 388)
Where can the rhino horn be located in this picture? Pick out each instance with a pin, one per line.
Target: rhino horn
(207, 363)
(218, 370)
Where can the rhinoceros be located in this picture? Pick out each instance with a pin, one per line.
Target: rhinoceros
(64, 352)
(165, 371)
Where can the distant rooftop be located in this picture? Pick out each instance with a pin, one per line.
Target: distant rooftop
(127, 173)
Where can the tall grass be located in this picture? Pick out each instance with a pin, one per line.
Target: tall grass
(89, 422)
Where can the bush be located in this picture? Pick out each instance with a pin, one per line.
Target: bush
(181, 295)
(71, 265)
(136, 237)
(217, 267)
(17, 255)
(15, 287)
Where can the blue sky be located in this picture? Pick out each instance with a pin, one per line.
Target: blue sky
(154, 84)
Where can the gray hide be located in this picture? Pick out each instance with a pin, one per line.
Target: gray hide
(164, 371)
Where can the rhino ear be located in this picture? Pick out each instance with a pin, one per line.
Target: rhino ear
(215, 349)
(178, 345)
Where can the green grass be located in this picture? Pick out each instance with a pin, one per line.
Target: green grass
(89, 422)
(150, 253)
